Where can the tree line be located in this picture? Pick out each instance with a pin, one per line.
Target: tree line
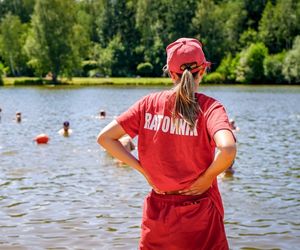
(247, 41)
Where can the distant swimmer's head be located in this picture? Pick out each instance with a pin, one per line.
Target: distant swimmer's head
(232, 123)
(102, 114)
(66, 124)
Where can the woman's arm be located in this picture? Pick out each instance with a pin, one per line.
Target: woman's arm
(224, 157)
(109, 137)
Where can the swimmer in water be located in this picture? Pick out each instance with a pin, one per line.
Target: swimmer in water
(18, 116)
(65, 131)
(233, 127)
(102, 114)
(128, 144)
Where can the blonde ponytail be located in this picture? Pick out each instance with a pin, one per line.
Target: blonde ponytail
(186, 106)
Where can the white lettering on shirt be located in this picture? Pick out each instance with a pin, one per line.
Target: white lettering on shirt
(165, 124)
(148, 117)
(176, 126)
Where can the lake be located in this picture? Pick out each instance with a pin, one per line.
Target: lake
(69, 194)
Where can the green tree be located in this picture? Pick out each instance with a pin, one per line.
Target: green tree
(151, 25)
(291, 64)
(280, 24)
(12, 38)
(88, 14)
(235, 17)
(227, 67)
(108, 58)
(208, 29)
(55, 41)
(267, 27)
(105, 23)
(273, 68)
(219, 26)
(116, 24)
(21, 8)
(254, 10)
(160, 23)
(250, 67)
(177, 18)
(247, 37)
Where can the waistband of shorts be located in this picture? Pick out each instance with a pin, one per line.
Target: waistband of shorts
(177, 197)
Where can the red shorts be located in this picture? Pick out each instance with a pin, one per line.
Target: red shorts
(180, 222)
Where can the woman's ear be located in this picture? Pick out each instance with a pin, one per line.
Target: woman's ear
(201, 72)
(174, 76)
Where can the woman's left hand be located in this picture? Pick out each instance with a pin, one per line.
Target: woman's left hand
(202, 184)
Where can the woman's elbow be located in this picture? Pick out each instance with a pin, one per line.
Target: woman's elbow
(229, 150)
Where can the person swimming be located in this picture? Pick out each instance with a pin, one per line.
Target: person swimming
(65, 131)
(18, 117)
(127, 143)
(233, 127)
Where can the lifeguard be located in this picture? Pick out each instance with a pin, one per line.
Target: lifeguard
(178, 132)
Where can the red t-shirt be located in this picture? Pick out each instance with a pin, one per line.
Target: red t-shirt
(173, 155)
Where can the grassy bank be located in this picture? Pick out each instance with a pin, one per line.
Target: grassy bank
(118, 81)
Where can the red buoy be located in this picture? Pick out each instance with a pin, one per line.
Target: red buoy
(42, 139)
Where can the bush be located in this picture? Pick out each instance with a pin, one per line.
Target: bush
(227, 68)
(247, 37)
(144, 69)
(291, 65)
(214, 77)
(29, 82)
(110, 59)
(273, 65)
(250, 67)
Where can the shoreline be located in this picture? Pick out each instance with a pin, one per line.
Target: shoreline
(114, 81)
(88, 81)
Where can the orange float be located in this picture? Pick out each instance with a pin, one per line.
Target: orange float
(42, 139)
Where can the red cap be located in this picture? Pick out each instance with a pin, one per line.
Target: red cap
(185, 51)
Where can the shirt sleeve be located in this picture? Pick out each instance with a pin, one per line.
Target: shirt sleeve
(217, 119)
(130, 119)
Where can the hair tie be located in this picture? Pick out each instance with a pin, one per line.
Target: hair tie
(188, 67)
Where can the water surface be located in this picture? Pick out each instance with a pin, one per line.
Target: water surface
(70, 195)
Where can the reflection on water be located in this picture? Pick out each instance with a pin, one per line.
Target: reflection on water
(70, 194)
